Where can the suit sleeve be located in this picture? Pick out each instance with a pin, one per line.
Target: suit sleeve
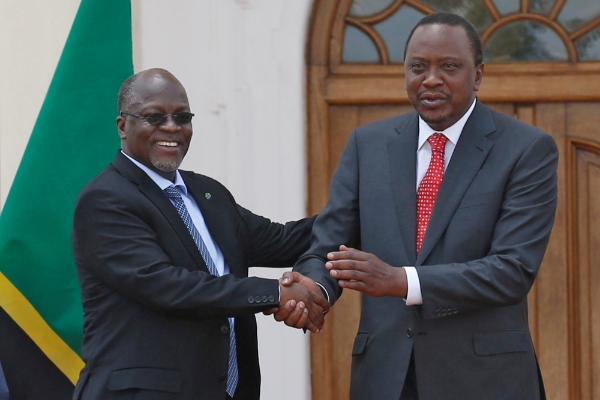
(275, 245)
(117, 250)
(338, 223)
(519, 240)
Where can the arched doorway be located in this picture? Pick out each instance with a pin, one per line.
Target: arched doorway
(542, 66)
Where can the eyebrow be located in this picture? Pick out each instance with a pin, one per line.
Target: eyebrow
(442, 58)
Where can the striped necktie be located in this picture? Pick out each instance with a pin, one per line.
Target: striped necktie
(175, 197)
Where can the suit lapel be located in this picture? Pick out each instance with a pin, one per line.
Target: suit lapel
(402, 152)
(214, 211)
(162, 203)
(470, 153)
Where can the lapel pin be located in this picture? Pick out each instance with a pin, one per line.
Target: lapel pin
(207, 195)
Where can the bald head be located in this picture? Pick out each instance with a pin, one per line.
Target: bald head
(126, 95)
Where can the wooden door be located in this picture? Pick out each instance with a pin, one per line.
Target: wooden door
(562, 98)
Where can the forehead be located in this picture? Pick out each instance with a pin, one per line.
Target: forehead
(439, 40)
(158, 90)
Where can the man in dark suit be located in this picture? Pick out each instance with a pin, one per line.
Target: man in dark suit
(452, 208)
(162, 257)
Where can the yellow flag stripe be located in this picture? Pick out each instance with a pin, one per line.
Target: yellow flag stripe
(32, 323)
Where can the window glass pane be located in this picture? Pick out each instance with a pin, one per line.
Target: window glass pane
(541, 6)
(395, 31)
(588, 46)
(507, 6)
(358, 47)
(576, 13)
(361, 8)
(525, 41)
(473, 10)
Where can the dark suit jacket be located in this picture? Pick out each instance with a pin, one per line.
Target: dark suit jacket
(481, 253)
(155, 318)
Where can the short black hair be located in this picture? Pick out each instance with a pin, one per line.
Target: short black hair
(443, 18)
(125, 97)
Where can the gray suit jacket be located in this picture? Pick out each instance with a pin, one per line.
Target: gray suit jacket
(485, 241)
(155, 319)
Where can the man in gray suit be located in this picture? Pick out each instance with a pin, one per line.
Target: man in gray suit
(452, 208)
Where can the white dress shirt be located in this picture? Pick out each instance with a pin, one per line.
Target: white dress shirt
(413, 296)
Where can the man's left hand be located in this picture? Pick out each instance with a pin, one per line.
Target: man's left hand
(366, 273)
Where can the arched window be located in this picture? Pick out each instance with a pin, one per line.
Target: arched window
(512, 31)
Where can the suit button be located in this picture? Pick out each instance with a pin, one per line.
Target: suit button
(257, 299)
(444, 312)
(455, 311)
(437, 313)
(223, 378)
(271, 299)
(250, 299)
(409, 333)
(264, 299)
(224, 329)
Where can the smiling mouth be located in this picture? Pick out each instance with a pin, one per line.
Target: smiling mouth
(168, 144)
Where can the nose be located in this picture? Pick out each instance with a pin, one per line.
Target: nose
(170, 124)
(433, 78)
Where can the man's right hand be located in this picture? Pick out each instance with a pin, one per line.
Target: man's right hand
(309, 309)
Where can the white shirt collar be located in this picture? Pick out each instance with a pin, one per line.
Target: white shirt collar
(452, 133)
(162, 183)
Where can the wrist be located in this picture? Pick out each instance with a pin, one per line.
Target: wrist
(400, 283)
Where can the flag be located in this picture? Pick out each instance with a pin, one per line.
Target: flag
(74, 138)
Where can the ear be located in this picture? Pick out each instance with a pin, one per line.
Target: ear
(121, 127)
(478, 76)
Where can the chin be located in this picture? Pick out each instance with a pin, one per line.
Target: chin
(436, 120)
(166, 165)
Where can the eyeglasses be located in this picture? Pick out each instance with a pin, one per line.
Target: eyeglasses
(156, 119)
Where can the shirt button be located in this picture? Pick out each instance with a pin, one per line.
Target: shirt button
(409, 333)
(224, 329)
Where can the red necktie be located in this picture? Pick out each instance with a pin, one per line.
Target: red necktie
(430, 185)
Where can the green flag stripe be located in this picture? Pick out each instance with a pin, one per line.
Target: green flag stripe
(73, 139)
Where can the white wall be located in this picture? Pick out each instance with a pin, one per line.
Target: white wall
(241, 62)
(32, 36)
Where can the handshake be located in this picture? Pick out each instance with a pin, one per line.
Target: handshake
(302, 303)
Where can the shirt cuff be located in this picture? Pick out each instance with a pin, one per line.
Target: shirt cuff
(413, 294)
